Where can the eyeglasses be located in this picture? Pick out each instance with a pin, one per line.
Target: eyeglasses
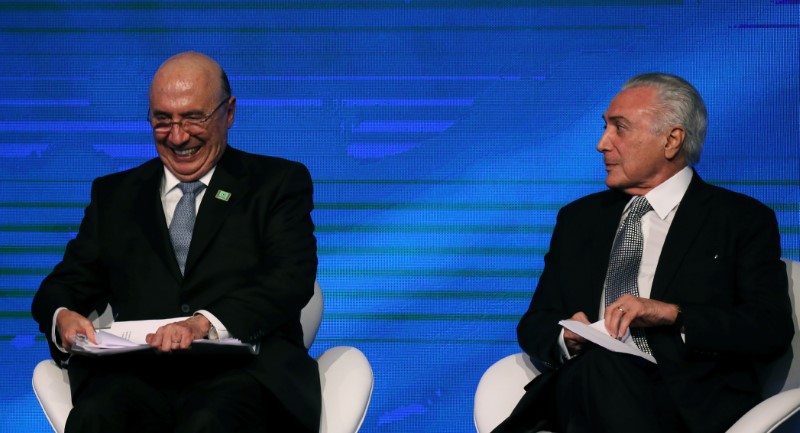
(194, 124)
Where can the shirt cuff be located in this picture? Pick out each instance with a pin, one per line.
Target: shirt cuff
(562, 346)
(54, 334)
(217, 330)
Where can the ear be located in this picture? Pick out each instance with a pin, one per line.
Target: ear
(231, 110)
(674, 142)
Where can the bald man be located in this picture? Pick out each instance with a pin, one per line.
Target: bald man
(246, 271)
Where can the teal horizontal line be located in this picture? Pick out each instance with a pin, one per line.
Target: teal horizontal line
(17, 293)
(24, 271)
(457, 182)
(305, 29)
(32, 250)
(311, 5)
(436, 228)
(474, 273)
(436, 295)
(444, 273)
(15, 315)
(440, 206)
(424, 317)
(355, 294)
(373, 206)
(430, 251)
(39, 228)
(336, 251)
(37, 338)
(371, 228)
(599, 183)
(409, 341)
(342, 206)
(382, 228)
(46, 205)
(781, 182)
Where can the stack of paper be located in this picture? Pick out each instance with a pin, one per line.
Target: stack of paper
(130, 336)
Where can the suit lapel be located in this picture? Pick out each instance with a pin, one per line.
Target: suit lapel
(149, 214)
(227, 187)
(689, 219)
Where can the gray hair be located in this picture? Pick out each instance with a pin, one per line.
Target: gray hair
(681, 104)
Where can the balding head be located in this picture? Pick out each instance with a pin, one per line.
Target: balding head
(193, 66)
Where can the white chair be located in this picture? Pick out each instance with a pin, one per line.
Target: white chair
(501, 386)
(344, 372)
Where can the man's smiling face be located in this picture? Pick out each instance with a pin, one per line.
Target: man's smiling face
(188, 87)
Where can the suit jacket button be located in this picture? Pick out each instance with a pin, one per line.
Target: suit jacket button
(185, 308)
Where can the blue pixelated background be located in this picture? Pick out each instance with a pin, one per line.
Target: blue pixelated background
(443, 136)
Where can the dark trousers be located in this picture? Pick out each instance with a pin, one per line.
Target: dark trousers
(597, 392)
(180, 394)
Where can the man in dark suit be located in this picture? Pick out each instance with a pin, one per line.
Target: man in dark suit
(712, 291)
(247, 271)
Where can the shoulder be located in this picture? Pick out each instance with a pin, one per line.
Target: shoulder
(590, 205)
(726, 201)
(262, 165)
(130, 178)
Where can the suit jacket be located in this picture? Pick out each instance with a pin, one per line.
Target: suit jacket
(720, 261)
(252, 263)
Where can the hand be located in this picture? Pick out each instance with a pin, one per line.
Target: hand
(69, 324)
(633, 311)
(179, 335)
(573, 341)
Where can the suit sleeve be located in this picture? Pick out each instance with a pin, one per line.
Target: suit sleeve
(78, 282)
(538, 330)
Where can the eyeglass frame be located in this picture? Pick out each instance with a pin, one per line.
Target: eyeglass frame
(167, 124)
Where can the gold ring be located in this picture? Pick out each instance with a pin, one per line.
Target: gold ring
(621, 310)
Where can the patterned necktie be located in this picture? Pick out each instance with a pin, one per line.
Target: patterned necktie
(180, 230)
(626, 256)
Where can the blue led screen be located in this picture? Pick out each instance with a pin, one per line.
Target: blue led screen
(442, 136)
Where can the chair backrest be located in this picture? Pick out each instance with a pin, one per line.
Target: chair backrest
(311, 316)
(784, 372)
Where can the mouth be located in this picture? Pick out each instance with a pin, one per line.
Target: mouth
(186, 152)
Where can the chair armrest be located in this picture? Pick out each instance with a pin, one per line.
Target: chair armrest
(769, 414)
(347, 380)
(51, 386)
(500, 389)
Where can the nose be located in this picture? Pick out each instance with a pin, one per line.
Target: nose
(602, 144)
(177, 135)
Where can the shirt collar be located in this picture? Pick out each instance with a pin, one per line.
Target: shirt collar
(667, 196)
(170, 181)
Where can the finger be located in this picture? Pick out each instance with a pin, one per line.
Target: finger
(625, 323)
(580, 316)
(614, 315)
(571, 336)
(186, 340)
(90, 333)
(167, 342)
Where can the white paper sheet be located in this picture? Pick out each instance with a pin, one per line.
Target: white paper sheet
(597, 333)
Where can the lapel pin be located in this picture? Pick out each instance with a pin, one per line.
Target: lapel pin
(222, 195)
